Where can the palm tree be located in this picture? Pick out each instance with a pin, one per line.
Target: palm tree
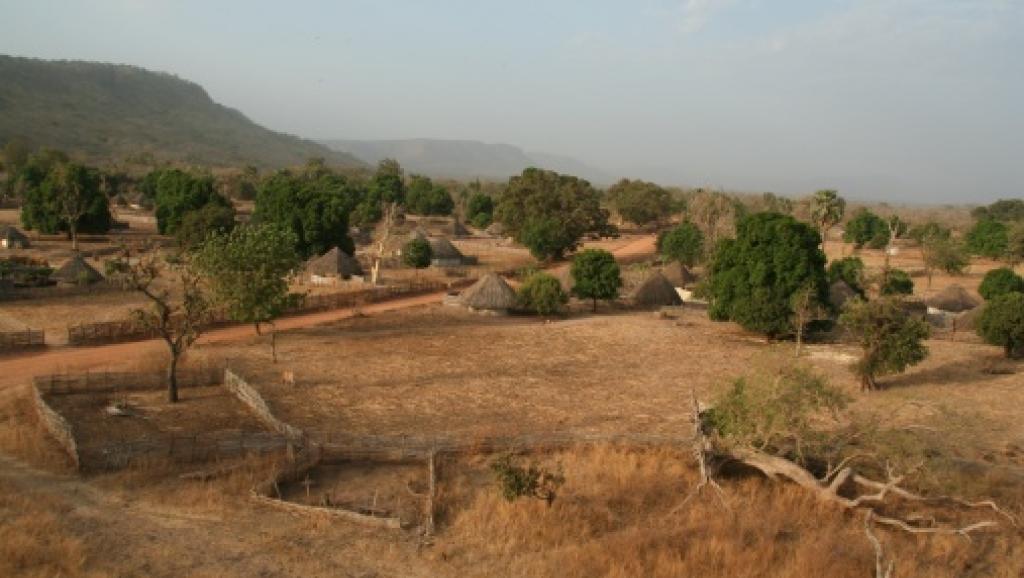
(827, 209)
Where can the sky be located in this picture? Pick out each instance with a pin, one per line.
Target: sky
(900, 100)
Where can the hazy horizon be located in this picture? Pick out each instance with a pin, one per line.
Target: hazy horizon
(905, 100)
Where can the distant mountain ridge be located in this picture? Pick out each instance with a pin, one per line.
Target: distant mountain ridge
(111, 111)
(464, 159)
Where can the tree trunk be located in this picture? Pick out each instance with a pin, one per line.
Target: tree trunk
(867, 383)
(594, 308)
(257, 325)
(73, 229)
(273, 343)
(172, 379)
(799, 339)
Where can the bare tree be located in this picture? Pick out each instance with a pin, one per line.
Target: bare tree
(176, 317)
(806, 308)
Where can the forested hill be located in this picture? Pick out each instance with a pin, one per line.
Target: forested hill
(464, 159)
(111, 112)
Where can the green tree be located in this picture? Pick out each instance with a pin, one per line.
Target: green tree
(388, 182)
(929, 230)
(59, 196)
(417, 254)
(867, 228)
(684, 243)
(545, 238)
(849, 270)
(891, 339)
(1004, 210)
(426, 198)
(480, 210)
(595, 275)
(988, 238)
(942, 253)
(827, 209)
(999, 282)
(753, 277)
(640, 202)
(248, 271)
(176, 193)
(198, 225)
(897, 282)
(537, 198)
(542, 294)
(1015, 244)
(315, 207)
(1002, 323)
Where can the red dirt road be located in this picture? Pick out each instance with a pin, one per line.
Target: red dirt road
(19, 369)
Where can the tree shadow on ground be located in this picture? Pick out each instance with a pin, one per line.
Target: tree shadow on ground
(956, 372)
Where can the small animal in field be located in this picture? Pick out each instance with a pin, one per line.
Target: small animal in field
(288, 378)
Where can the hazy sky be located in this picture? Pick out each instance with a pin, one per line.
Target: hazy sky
(905, 99)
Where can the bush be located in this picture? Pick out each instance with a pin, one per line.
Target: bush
(753, 278)
(999, 282)
(867, 228)
(417, 254)
(595, 275)
(530, 482)
(197, 225)
(988, 238)
(891, 339)
(849, 270)
(685, 244)
(1002, 323)
(897, 282)
(542, 294)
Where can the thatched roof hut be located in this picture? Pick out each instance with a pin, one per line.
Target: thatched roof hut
(840, 293)
(914, 308)
(490, 293)
(334, 263)
(444, 254)
(953, 299)
(968, 320)
(496, 229)
(76, 271)
(678, 274)
(12, 238)
(656, 291)
(459, 230)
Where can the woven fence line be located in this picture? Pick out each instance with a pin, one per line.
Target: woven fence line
(18, 340)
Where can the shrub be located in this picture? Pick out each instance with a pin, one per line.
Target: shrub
(753, 278)
(542, 294)
(988, 238)
(999, 282)
(897, 282)
(595, 275)
(197, 225)
(1002, 323)
(532, 481)
(417, 254)
(684, 243)
(849, 270)
(891, 339)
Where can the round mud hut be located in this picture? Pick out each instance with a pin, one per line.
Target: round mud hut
(444, 254)
(491, 294)
(12, 238)
(954, 299)
(76, 271)
(656, 291)
(331, 266)
(678, 275)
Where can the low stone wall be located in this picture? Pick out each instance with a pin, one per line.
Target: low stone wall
(252, 399)
(57, 426)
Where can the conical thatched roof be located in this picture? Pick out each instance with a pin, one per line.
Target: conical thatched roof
(953, 299)
(496, 229)
(442, 248)
(77, 272)
(459, 230)
(418, 233)
(678, 274)
(490, 293)
(839, 293)
(334, 263)
(656, 291)
(13, 235)
(968, 320)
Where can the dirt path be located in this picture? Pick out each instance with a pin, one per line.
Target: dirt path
(18, 369)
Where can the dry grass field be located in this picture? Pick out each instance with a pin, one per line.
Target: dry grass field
(438, 371)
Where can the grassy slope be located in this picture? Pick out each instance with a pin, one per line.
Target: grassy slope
(107, 112)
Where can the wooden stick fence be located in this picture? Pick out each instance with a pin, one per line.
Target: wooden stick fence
(19, 340)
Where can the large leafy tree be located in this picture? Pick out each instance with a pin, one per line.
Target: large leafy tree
(640, 202)
(849, 270)
(595, 276)
(891, 339)
(684, 243)
(1002, 323)
(315, 206)
(867, 228)
(827, 209)
(388, 182)
(480, 210)
(417, 254)
(248, 271)
(753, 277)
(426, 198)
(999, 282)
(1005, 210)
(538, 196)
(988, 238)
(63, 197)
(198, 225)
(176, 193)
